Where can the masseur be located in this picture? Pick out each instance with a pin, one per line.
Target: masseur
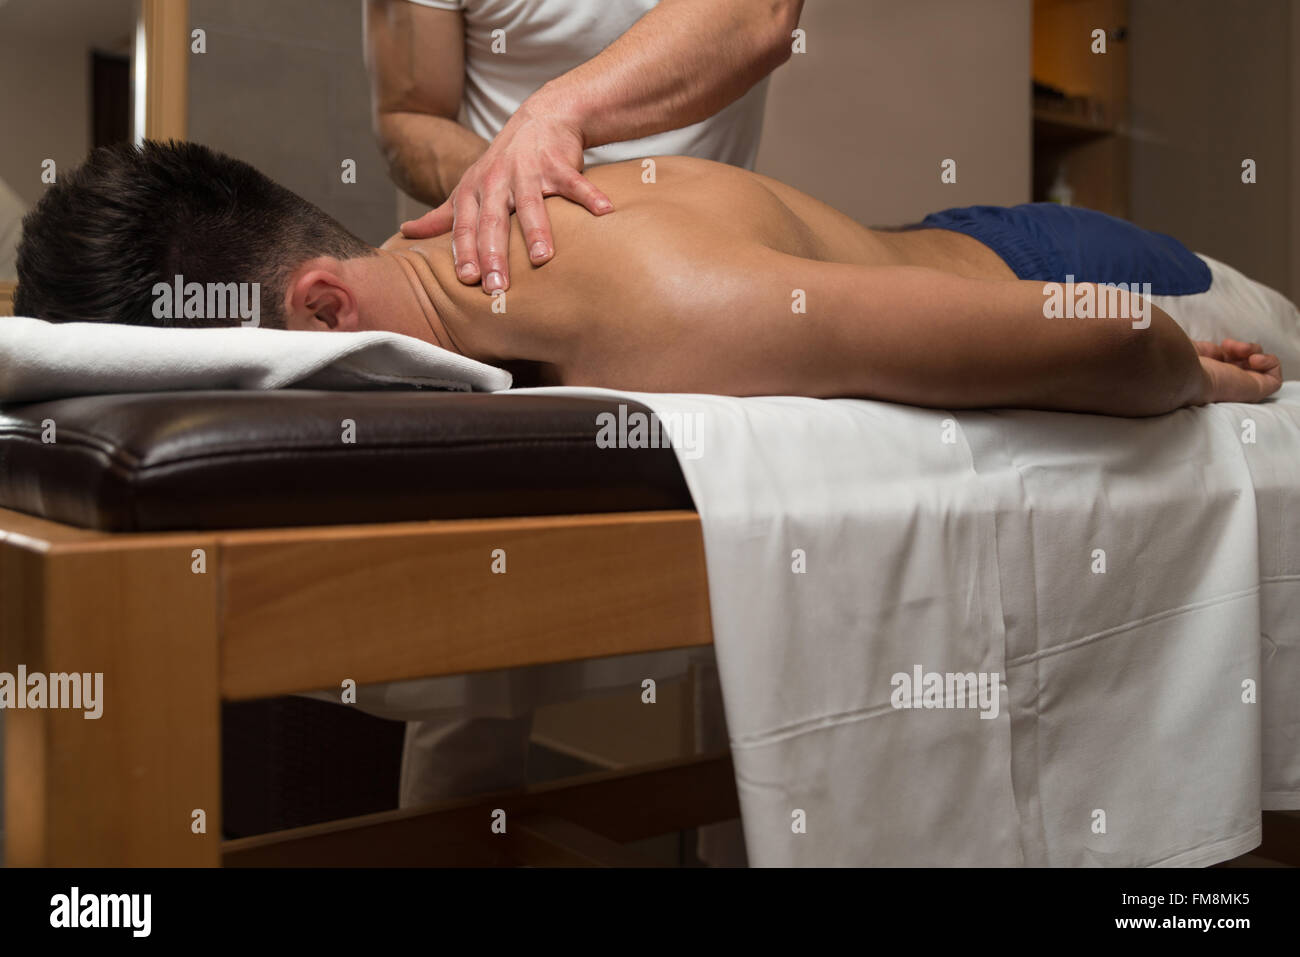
(482, 107)
(546, 86)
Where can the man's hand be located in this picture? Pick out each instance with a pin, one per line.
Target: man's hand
(1238, 371)
(536, 155)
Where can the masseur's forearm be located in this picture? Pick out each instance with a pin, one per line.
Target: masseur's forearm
(680, 63)
(427, 155)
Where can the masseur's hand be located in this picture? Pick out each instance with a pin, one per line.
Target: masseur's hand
(535, 155)
(1238, 371)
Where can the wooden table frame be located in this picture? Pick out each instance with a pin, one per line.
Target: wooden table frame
(179, 621)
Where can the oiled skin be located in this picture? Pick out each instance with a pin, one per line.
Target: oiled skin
(688, 286)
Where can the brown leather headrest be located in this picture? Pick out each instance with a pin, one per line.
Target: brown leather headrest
(207, 460)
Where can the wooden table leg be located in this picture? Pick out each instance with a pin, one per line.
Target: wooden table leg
(120, 790)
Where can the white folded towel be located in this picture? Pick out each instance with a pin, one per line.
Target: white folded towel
(48, 360)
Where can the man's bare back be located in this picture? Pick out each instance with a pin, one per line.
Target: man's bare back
(697, 206)
(681, 248)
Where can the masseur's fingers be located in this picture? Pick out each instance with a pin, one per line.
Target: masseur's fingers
(464, 239)
(494, 239)
(573, 185)
(535, 224)
(433, 223)
(1210, 350)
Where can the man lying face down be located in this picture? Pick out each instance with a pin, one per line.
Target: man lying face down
(708, 279)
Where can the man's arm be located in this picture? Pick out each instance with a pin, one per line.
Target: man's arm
(680, 63)
(900, 334)
(416, 59)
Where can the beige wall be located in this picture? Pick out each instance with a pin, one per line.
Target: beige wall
(1211, 86)
(45, 81)
(888, 90)
(45, 89)
(283, 86)
(49, 119)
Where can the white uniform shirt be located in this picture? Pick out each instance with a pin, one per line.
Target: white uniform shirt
(546, 38)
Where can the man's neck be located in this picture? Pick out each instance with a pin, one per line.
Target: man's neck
(411, 298)
(421, 296)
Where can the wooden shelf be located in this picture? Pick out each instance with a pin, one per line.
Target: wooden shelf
(1080, 133)
(1068, 126)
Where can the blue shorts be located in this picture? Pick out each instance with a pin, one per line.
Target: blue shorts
(1050, 243)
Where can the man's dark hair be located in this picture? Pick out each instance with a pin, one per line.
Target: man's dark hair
(101, 237)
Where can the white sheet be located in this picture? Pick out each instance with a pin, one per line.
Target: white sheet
(49, 360)
(1123, 691)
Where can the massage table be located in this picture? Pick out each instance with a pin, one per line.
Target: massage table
(207, 547)
(201, 547)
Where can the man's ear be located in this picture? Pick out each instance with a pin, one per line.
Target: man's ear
(319, 299)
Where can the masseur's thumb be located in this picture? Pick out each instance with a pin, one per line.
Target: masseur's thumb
(433, 223)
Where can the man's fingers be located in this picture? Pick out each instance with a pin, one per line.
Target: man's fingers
(1269, 382)
(1264, 362)
(578, 188)
(433, 223)
(464, 249)
(1236, 349)
(1262, 377)
(1240, 353)
(494, 241)
(1208, 349)
(536, 225)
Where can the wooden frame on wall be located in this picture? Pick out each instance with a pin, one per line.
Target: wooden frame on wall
(165, 25)
(165, 28)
